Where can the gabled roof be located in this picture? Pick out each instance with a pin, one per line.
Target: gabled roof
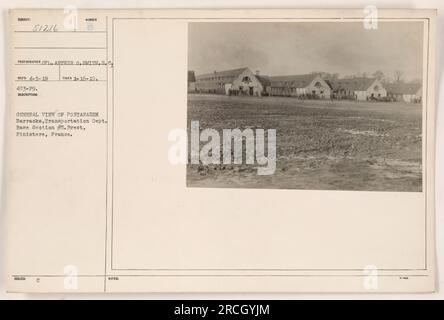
(351, 84)
(297, 81)
(402, 88)
(264, 80)
(225, 73)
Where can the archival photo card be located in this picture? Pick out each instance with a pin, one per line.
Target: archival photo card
(222, 151)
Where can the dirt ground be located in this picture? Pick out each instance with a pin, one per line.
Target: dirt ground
(321, 145)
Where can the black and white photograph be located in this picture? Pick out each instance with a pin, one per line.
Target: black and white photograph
(344, 101)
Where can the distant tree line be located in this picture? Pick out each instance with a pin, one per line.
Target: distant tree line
(398, 76)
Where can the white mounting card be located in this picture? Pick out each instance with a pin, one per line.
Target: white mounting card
(221, 150)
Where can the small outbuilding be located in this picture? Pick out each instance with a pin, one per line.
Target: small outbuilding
(408, 92)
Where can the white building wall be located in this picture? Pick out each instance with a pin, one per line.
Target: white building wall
(361, 95)
(377, 89)
(239, 84)
(323, 91)
(227, 88)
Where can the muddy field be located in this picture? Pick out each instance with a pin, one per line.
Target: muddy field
(322, 145)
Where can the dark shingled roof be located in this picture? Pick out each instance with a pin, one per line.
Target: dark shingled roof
(402, 88)
(296, 81)
(264, 80)
(352, 84)
(226, 73)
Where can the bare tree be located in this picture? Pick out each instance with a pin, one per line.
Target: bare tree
(398, 75)
(378, 74)
(326, 75)
(386, 80)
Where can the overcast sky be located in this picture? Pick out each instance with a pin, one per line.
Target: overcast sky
(303, 47)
